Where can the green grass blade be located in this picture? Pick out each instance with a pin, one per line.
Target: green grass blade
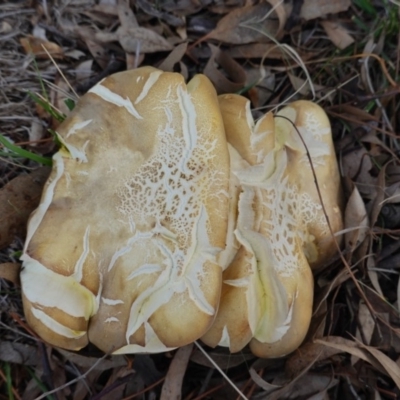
(7, 370)
(47, 106)
(40, 384)
(24, 153)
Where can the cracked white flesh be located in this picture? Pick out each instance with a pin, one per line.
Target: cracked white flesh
(138, 221)
(313, 125)
(267, 290)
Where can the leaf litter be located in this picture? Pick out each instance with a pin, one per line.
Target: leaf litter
(343, 54)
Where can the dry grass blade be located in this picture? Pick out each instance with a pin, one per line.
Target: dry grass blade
(221, 372)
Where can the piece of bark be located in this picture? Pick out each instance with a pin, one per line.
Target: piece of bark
(18, 199)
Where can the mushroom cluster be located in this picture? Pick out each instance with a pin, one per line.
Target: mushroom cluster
(171, 216)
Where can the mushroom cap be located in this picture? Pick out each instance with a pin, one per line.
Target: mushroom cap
(267, 291)
(313, 124)
(122, 250)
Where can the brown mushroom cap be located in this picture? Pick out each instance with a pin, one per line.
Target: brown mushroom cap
(268, 288)
(122, 249)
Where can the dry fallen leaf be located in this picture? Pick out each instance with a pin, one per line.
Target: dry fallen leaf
(10, 271)
(246, 25)
(173, 58)
(18, 353)
(266, 386)
(18, 199)
(392, 369)
(338, 34)
(231, 68)
(96, 49)
(355, 220)
(312, 9)
(142, 40)
(172, 387)
(5, 27)
(95, 363)
(366, 323)
(398, 296)
(33, 45)
(357, 166)
(156, 11)
(281, 12)
(348, 346)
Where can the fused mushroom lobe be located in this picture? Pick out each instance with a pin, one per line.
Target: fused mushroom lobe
(267, 290)
(132, 218)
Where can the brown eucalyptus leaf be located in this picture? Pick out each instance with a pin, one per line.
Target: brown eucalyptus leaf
(18, 199)
(18, 353)
(378, 201)
(142, 40)
(356, 113)
(116, 383)
(391, 368)
(305, 354)
(232, 69)
(246, 25)
(280, 11)
(338, 34)
(357, 165)
(94, 44)
(93, 362)
(348, 346)
(312, 386)
(312, 9)
(287, 390)
(172, 387)
(156, 11)
(173, 58)
(355, 220)
(398, 296)
(126, 15)
(10, 271)
(83, 70)
(366, 322)
(37, 47)
(259, 381)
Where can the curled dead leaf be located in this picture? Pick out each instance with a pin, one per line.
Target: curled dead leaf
(231, 68)
(173, 58)
(312, 9)
(338, 34)
(95, 363)
(37, 47)
(172, 387)
(247, 25)
(348, 346)
(267, 387)
(18, 353)
(142, 40)
(356, 220)
(10, 271)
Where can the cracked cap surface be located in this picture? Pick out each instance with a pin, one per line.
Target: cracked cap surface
(122, 249)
